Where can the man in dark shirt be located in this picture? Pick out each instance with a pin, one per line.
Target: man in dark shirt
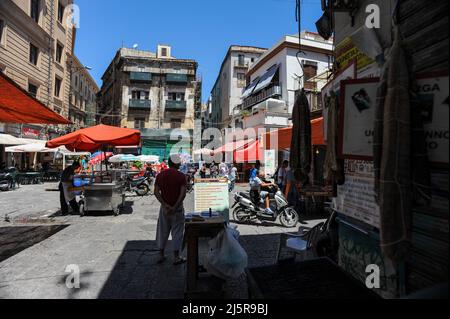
(170, 190)
(65, 195)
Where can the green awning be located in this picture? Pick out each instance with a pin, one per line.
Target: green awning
(176, 78)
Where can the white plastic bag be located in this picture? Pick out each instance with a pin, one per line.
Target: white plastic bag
(226, 258)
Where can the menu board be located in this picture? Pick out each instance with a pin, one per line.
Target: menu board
(214, 195)
(356, 198)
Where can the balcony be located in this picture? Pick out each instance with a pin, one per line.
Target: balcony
(176, 106)
(175, 78)
(140, 104)
(140, 77)
(241, 65)
(269, 92)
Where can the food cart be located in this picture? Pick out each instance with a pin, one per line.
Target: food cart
(101, 190)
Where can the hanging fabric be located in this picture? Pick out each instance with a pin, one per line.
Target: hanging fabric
(301, 156)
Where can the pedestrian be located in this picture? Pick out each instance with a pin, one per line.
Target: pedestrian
(164, 165)
(170, 191)
(65, 195)
(282, 174)
(203, 172)
(223, 169)
(232, 177)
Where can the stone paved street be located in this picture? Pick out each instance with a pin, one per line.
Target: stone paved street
(116, 255)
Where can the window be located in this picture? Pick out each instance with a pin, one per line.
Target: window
(32, 89)
(139, 123)
(241, 76)
(34, 54)
(61, 9)
(57, 86)
(59, 52)
(175, 96)
(76, 80)
(163, 51)
(241, 58)
(140, 95)
(34, 10)
(2, 28)
(253, 60)
(175, 123)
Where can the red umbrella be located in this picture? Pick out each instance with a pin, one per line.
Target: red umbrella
(96, 137)
(18, 106)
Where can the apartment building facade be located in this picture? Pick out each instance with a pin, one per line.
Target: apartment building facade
(83, 95)
(226, 94)
(152, 92)
(36, 38)
(269, 98)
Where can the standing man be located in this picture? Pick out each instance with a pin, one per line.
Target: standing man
(170, 190)
(65, 195)
(232, 177)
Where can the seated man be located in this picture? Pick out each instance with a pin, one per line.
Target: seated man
(256, 193)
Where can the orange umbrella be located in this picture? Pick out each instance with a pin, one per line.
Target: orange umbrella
(94, 138)
(18, 106)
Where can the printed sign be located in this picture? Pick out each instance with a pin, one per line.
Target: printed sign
(433, 94)
(212, 194)
(358, 98)
(356, 198)
(30, 132)
(269, 162)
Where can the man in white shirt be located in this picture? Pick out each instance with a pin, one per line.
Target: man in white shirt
(255, 191)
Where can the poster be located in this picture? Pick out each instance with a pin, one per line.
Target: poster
(269, 162)
(334, 86)
(433, 94)
(212, 194)
(358, 103)
(356, 198)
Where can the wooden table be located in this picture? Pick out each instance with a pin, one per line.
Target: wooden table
(209, 228)
(313, 279)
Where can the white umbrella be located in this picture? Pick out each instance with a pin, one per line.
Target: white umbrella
(203, 151)
(148, 158)
(120, 158)
(34, 148)
(6, 139)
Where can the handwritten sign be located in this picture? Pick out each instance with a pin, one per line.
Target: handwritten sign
(212, 194)
(356, 198)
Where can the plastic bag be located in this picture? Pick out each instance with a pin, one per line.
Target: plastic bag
(226, 258)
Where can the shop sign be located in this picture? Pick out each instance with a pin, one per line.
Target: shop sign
(357, 114)
(346, 52)
(356, 198)
(269, 162)
(30, 132)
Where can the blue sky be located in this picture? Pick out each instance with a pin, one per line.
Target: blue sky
(196, 29)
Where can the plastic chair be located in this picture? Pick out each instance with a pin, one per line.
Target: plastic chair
(304, 241)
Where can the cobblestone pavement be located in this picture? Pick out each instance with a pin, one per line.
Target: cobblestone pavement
(116, 255)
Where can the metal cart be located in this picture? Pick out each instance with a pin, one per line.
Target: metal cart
(103, 197)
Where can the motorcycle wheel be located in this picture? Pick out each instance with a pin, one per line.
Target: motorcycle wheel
(289, 217)
(142, 190)
(240, 215)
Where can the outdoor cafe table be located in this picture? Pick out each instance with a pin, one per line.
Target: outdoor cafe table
(209, 228)
(313, 279)
(30, 178)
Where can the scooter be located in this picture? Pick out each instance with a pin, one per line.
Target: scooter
(141, 186)
(7, 179)
(247, 208)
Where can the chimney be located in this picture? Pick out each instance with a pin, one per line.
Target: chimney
(164, 52)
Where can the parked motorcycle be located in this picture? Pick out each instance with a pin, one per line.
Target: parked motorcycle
(246, 208)
(141, 185)
(8, 179)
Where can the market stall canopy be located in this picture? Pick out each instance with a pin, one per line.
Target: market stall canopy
(34, 148)
(250, 153)
(233, 146)
(18, 106)
(285, 136)
(94, 138)
(6, 139)
(148, 158)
